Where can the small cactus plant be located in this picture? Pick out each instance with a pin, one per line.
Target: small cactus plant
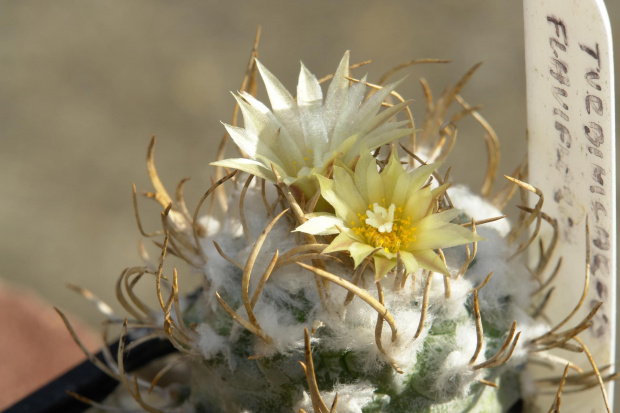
(345, 273)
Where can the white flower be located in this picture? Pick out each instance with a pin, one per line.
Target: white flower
(300, 138)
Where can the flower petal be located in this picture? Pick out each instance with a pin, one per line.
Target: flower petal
(370, 124)
(336, 93)
(251, 144)
(346, 190)
(429, 260)
(434, 232)
(282, 103)
(270, 131)
(308, 88)
(342, 208)
(420, 175)
(341, 243)
(247, 165)
(411, 264)
(374, 186)
(383, 265)
(279, 97)
(310, 103)
(367, 179)
(418, 204)
(390, 176)
(321, 225)
(345, 127)
(360, 251)
(366, 115)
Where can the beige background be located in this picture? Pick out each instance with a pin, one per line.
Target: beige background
(84, 84)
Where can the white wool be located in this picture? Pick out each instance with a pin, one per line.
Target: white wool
(209, 342)
(286, 333)
(466, 339)
(478, 208)
(510, 278)
(211, 224)
(351, 398)
(455, 375)
(449, 307)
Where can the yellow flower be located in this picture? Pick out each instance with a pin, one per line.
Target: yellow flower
(302, 137)
(390, 213)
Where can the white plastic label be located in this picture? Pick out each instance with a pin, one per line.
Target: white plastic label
(571, 150)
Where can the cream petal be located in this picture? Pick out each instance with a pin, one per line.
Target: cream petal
(439, 219)
(282, 102)
(310, 102)
(433, 233)
(374, 186)
(298, 139)
(308, 88)
(336, 93)
(436, 192)
(341, 243)
(365, 162)
(342, 208)
(270, 131)
(411, 264)
(418, 204)
(247, 165)
(345, 127)
(279, 97)
(369, 124)
(390, 176)
(398, 189)
(344, 148)
(268, 163)
(321, 225)
(420, 175)
(429, 260)
(374, 141)
(346, 190)
(383, 265)
(366, 114)
(368, 180)
(360, 251)
(251, 144)
(388, 128)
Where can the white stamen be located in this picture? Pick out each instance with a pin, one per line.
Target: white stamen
(381, 218)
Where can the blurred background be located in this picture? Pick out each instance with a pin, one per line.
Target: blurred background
(84, 85)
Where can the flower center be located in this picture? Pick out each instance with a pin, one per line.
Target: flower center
(386, 228)
(380, 218)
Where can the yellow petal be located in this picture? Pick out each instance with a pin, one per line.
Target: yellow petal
(391, 178)
(420, 175)
(345, 188)
(383, 265)
(341, 243)
(435, 231)
(359, 251)
(374, 185)
(418, 204)
(342, 208)
(398, 195)
(411, 264)
(429, 260)
(364, 162)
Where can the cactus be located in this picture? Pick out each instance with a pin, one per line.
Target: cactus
(345, 274)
